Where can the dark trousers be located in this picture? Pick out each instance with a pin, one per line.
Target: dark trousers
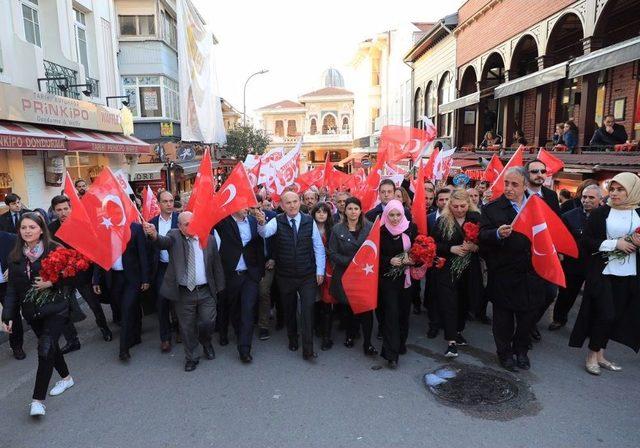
(326, 312)
(48, 331)
(550, 293)
(196, 314)
(606, 316)
(237, 305)
(512, 340)
(567, 297)
(431, 300)
(86, 291)
(307, 289)
(163, 305)
(124, 293)
(356, 321)
(16, 338)
(395, 302)
(453, 303)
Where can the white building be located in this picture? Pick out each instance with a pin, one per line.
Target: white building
(57, 66)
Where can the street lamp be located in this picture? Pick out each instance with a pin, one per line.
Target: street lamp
(244, 96)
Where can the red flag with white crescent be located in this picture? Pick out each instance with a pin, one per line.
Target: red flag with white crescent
(493, 170)
(150, 206)
(554, 164)
(517, 159)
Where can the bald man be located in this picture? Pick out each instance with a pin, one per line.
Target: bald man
(300, 263)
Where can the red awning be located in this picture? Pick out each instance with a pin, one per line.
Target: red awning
(22, 136)
(464, 163)
(101, 142)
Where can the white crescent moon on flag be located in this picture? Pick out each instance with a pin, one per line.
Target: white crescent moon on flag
(534, 231)
(232, 193)
(370, 244)
(413, 145)
(116, 200)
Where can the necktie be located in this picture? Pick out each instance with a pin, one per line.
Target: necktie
(191, 266)
(15, 219)
(295, 231)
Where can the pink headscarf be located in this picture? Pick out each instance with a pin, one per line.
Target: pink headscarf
(398, 229)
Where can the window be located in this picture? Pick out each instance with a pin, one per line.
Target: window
(431, 100)
(313, 128)
(169, 29)
(152, 96)
(329, 124)
(291, 128)
(345, 125)
(137, 25)
(31, 22)
(81, 40)
(279, 128)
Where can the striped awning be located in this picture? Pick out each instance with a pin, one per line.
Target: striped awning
(102, 142)
(22, 136)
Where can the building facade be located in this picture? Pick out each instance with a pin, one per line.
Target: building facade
(57, 68)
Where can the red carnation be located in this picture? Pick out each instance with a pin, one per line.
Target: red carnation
(440, 262)
(471, 232)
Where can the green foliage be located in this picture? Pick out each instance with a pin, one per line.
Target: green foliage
(242, 140)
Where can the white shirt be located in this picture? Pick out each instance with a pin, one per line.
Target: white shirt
(620, 223)
(201, 276)
(117, 265)
(164, 225)
(270, 228)
(538, 193)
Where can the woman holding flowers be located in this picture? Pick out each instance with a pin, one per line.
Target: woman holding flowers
(610, 306)
(41, 290)
(394, 295)
(460, 279)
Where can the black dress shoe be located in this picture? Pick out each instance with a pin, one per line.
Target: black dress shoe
(209, 352)
(246, 358)
(70, 347)
(224, 341)
(263, 334)
(308, 356)
(553, 326)
(522, 361)
(392, 364)
(125, 356)
(106, 334)
(509, 364)
(432, 333)
(535, 335)
(19, 354)
(326, 344)
(190, 366)
(348, 342)
(293, 344)
(370, 351)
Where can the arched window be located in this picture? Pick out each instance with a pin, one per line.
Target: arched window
(313, 127)
(291, 128)
(345, 125)
(279, 128)
(445, 95)
(329, 124)
(417, 107)
(431, 100)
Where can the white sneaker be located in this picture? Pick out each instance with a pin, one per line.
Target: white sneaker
(61, 386)
(37, 409)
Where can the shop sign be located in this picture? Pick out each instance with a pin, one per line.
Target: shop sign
(25, 142)
(166, 129)
(139, 177)
(19, 104)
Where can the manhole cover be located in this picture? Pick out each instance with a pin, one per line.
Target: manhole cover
(470, 386)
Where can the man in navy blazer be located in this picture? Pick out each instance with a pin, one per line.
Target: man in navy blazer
(127, 277)
(165, 221)
(7, 243)
(243, 263)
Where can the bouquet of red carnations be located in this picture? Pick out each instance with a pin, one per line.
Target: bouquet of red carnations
(618, 254)
(471, 232)
(423, 254)
(57, 265)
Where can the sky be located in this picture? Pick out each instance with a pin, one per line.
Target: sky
(296, 40)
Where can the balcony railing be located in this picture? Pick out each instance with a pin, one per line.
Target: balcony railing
(95, 87)
(53, 70)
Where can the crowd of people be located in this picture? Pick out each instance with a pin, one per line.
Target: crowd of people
(286, 267)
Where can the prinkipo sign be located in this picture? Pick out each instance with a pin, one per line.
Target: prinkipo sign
(24, 105)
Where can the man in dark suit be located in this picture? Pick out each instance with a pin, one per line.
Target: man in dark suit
(536, 175)
(61, 206)
(16, 337)
(609, 134)
(193, 279)
(300, 262)
(165, 221)
(128, 276)
(9, 219)
(575, 268)
(515, 289)
(266, 283)
(242, 255)
(386, 192)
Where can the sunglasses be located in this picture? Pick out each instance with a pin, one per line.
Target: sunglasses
(542, 171)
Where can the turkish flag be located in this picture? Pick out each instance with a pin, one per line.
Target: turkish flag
(333, 177)
(356, 180)
(360, 280)
(517, 159)
(403, 142)
(235, 194)
(419, 205)
(548, 236)
(150, 206)
(311, 178)
(110, 213)
(253, 173)
(494, 168)
(554, 164)
(77, 230)
(204, 185)
(429, 167)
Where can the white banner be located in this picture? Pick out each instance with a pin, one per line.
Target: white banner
(200, 108)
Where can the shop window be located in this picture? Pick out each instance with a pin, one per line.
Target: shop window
(291, 128)
(279, 131)
(313, 127)
(137, 25)
(81, 40)
(31, 21)
(152, 96)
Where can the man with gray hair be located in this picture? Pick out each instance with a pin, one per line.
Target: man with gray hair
(515, 289)
(575, 268)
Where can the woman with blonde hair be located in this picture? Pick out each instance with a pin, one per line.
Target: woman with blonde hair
(459, 282)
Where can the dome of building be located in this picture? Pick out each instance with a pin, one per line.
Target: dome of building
(332, 78)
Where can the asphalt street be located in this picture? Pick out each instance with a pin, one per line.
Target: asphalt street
(342, 400)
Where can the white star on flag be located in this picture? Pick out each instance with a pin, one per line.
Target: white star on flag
(106, 222)
(368, 269)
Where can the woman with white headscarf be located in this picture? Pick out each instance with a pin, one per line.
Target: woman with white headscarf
(611, 303)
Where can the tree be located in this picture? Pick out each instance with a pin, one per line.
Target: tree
(242, 140)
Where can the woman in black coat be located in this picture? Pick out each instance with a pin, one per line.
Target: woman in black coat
(456, 295)
(610, 306)
(47, 321)
(394, 294)
(346, 239)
